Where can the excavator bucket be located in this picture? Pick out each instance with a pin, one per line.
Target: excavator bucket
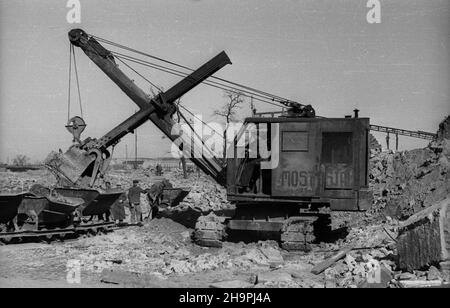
(173, 196)
(70, 166)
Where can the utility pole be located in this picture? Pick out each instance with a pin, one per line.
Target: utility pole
(387, 141)
(135, 149)
(396, 142)
(252, 107)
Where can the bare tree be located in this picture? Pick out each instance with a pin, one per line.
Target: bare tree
(20, 160)
(234, 101)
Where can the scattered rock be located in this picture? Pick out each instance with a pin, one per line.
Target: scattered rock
(232, 284)
(274, 276)
(445, 270)
(433, 274)
(377, 278)
(125, 278)
(273, 255)
(406, 276)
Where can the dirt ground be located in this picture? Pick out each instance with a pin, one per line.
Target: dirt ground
(168, 259)
(161, 253)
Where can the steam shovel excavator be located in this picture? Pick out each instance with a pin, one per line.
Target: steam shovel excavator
(287, 179)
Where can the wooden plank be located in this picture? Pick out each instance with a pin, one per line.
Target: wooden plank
(319, 268)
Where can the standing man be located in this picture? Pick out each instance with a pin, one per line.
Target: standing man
(159, 171)
(101, 217)
(117, 209)
(155, 195)
(108, 189)
(134, 197)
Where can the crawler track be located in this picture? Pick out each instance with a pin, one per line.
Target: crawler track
(298, 233)
(210, 231)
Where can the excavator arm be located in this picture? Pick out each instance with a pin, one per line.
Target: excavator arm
(83, 162)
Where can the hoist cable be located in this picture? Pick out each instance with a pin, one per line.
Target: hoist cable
(70, 77)
(272, 96)
(179, 104)
(204, 123)
(78, 83)
(143, 77)
(184, 75)
(190, 69)
(179, 73)
(204, 82)
(193, 130)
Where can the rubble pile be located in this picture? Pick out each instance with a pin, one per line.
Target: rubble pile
(357, 267)
(374, 145)
(163, 247)
(363, 250)
(444, 129)
(205, 195)
(23, 181)
(404, 183)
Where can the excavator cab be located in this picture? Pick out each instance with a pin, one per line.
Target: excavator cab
(316, 165)
(320, 161)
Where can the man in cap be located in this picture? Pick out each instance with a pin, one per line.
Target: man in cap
(134, 197)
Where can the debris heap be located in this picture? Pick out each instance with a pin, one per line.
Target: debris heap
(406, 182)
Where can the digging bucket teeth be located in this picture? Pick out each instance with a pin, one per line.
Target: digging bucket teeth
(70, 166)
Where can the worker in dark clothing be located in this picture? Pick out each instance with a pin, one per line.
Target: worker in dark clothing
(117, 209)
(159, 170)
(155, 195)
(134, 198)
(105, 216)
(108, 189)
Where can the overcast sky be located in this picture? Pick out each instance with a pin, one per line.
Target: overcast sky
(321, 52)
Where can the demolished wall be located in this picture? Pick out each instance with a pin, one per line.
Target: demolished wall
(406, 182)
(444, 129)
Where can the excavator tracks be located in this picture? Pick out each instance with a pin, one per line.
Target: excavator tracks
(298, 233)
(210, 231)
